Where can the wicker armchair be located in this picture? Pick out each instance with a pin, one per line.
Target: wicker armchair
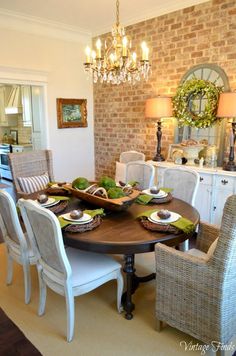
(28, 164)
(198, 295)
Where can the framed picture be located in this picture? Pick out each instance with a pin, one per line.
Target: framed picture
(71, 113)
(14, 135)
(175, 151)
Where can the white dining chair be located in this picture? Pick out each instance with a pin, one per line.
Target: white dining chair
(126, 157)
(141, 172)
(17, 244)
(184, 182)
(69, 272)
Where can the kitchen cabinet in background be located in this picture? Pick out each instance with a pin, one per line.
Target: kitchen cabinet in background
(5, 120)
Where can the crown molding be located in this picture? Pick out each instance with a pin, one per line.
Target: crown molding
(22, 75)
(38, 26)
(164, 8)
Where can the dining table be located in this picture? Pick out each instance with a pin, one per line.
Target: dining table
(122, 233)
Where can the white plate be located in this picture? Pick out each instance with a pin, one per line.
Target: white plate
(173, 217)
(49, 202)
(160, 194)
(86, 218)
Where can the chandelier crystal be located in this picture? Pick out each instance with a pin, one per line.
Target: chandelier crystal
(115, 63)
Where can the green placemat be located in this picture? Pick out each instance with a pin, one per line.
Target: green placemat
(182, 224)
(59, 197)
(144, 199)
(93, 213)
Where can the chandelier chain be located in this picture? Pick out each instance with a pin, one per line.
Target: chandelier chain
(117, 13)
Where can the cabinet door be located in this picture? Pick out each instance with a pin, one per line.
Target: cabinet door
(203, 197)
(224, 187)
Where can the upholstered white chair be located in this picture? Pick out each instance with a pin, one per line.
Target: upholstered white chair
(126, 157)
(196, 291)
(183, 181)
(69, 272)
(16, 242)
(141, 172)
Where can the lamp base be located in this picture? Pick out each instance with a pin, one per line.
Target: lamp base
(158, 158)
(229, 166)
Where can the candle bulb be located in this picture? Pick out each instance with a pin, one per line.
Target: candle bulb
(143, 46)
(124, 47)
(98, 46)
(88, 52)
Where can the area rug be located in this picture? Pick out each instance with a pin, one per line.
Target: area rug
(12, 340)
(99, 329)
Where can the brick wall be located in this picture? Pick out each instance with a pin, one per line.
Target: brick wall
(205, 33)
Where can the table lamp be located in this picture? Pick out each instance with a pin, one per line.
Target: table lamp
(227, 109)
(157, 108)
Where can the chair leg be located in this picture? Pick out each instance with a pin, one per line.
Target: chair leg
(70, 309)
(42, 293)
(120, 286)
(27, 282)
(159, 325)
(184, 246)
(9, 268)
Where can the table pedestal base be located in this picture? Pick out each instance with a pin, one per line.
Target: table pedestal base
(132, 283)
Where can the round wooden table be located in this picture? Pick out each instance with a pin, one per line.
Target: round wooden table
(122, 233)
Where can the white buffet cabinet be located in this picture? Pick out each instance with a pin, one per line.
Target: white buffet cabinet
(215, 187)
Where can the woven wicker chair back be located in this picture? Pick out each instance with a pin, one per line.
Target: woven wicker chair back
(28, 164)
(224, 257)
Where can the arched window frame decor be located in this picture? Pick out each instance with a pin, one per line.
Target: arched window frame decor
(215, 74)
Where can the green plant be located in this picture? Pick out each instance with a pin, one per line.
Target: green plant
(80, 183)
(188, 92)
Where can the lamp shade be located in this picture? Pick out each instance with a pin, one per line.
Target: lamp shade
(227, 105)
(158, 107)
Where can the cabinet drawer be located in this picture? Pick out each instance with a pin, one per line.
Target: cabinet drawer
(205, 178)
(225, 181)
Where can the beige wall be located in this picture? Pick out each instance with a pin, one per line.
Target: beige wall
(205, 33)
(73, 149)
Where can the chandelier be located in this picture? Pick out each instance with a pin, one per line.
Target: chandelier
(115, 63)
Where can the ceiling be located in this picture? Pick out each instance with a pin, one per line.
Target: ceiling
(93, 16)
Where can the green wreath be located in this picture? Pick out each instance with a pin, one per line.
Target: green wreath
(193, 89)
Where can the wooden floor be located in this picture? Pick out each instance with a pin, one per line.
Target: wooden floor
(12, 340)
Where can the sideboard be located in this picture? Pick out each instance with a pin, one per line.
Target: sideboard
(215, 187)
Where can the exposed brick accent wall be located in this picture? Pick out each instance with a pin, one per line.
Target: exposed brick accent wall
(205, 33)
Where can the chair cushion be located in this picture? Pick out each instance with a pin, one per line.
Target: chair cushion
(33, 184)
(205, 256)
(89, 266)
(197, 253)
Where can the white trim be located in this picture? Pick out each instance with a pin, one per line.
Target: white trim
(35, 25)
(22, 76)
